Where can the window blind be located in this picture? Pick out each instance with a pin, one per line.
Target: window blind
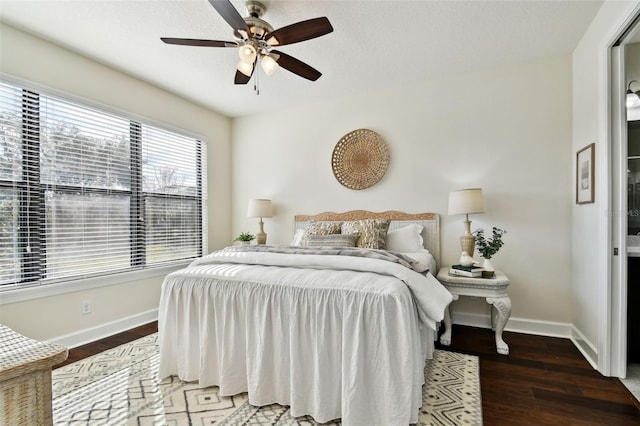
(172, 187)
(85, 192)
(86, 181)
(10, 181)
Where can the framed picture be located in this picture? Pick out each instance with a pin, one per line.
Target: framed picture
(585, 170)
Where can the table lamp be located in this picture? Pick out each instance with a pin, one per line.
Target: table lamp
(260, 208)
(466, 201)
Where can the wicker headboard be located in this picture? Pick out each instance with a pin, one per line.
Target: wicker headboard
(430, 222)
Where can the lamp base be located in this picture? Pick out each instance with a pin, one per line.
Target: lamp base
(468, 244)
(261, 237)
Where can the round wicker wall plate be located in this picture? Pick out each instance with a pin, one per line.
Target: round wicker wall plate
(360, 159)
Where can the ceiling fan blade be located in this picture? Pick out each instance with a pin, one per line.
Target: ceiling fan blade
(198, 42)
(300, 31)
(231, 15)
(296, 66)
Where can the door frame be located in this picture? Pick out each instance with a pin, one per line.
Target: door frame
(616, 342)
(612, 347)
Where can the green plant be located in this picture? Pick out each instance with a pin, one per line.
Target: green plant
(245, 236)
(489, 246)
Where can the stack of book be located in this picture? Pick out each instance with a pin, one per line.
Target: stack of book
(466, 271)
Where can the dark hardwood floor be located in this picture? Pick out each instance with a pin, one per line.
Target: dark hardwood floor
(543, 381)
(98, 346)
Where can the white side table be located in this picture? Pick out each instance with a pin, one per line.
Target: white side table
(494, 290)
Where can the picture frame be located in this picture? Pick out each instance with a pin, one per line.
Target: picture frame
(585, 175)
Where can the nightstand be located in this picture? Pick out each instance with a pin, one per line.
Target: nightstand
(494, 290)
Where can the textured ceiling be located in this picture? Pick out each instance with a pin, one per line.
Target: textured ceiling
(375, 44)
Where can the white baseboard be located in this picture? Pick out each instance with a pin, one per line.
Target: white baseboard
(537, 327)
(585, 347)
(92, 334)
(517, 325)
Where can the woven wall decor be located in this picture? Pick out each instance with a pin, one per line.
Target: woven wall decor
(360, 159)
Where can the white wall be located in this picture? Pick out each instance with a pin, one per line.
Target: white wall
(32, 59)
(506, 130)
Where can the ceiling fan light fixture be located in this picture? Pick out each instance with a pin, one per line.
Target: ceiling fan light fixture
(633, 98)
(245, 68)
(269, 64)
(247, 53)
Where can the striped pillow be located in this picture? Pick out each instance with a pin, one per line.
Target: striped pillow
(332, 240)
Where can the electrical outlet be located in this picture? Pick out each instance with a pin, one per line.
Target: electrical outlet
(85, 307)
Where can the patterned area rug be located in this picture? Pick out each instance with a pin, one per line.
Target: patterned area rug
(121, 387)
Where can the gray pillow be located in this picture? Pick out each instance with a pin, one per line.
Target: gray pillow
(332, 240)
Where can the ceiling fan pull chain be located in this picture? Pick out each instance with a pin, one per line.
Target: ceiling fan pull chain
(256, 85)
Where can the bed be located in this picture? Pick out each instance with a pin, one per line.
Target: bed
(332, 332)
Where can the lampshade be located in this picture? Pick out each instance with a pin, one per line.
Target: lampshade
(259, 208)
(247, 53)
(269, 64)
(245, 68)
(466, 201)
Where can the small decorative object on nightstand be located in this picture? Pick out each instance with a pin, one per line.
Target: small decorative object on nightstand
(494, 290)
(245, 238)
(466, 260)
(466, 271)
(488, 247)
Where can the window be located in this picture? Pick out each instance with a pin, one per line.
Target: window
(86, 192)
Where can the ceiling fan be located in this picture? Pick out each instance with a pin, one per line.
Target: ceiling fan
(256, 39)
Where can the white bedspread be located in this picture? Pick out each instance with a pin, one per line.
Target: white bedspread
(330, 336)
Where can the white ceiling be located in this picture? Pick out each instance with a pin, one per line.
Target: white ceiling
(375, 44)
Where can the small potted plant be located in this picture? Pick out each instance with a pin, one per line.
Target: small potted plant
(489, 246)
(245, 238)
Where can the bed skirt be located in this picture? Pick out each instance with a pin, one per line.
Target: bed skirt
(326, 352)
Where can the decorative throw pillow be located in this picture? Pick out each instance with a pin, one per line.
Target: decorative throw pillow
(406, 239)
(333, 240)
(373, 232)
(323, 228)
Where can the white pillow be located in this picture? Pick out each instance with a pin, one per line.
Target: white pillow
(405, 239)
(298, 237)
